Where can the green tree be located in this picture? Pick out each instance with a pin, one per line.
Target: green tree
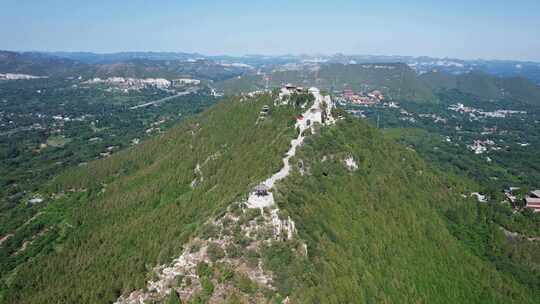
(173, 298)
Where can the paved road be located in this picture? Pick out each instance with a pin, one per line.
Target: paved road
(189, 91)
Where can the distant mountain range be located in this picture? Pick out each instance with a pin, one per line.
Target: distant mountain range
(399, 77)
(125, 65)
(94, 58)
(422, 64)
(398, 81)
(37, 64)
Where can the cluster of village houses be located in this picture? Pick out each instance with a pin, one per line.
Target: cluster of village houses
(532, 200)
(475, 114)
(371, 98)
(481, 146)
(138, 83)
(11, 76)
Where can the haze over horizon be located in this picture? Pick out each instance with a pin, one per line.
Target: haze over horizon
(461, 29)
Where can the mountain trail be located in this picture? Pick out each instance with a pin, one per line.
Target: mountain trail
(233, 242)
(319, 112)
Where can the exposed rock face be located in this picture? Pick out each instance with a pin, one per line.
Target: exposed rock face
(240, 226)
(351, 164)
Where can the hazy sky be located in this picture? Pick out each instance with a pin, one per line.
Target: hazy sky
(490, 29)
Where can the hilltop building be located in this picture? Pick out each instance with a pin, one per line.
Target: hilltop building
(348, 93)
(508, 193)
(265, 109)
(289, 89)
(533, 201)
(535, 193)
(361, 99)
(261, 190)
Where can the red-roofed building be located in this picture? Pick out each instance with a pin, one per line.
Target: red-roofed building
(348, 93)
(533, 203)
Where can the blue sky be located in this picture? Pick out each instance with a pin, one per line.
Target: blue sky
(494, 29)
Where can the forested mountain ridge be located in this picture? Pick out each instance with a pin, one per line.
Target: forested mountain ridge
(37, 64)
(138, 208)
(380, 233)
(371, 214)
(486, 86)
(13, 62)
(396, 80)
(422, 64)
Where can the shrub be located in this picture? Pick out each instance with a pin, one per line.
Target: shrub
(203, 270)
(173, 298)
(251, 214)
(241, 240)
(207, 286)
(180, 280)
(236, 209)
(237, 228)
(209, 231)
(233, 251)
(264, 233)
(226, 222)
(195, 247)
(226, 274)
(153, 276)
(227, 231)
(215, 252)
(197, 300)
(244, 283)
(252, 258)
(233, 299)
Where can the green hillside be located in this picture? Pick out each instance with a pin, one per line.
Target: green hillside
(521, 89)
(486, 86)
(396, 80)
(201, 69)
(375, 234)
(137, 208)
(12, 62)
(379, 234)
